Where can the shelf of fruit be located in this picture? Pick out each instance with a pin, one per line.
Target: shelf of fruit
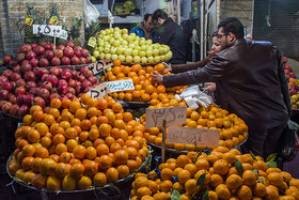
(232, 129)
(145, 90)
(223, 174)
(29, 79)
(116, 43)
(77, 144)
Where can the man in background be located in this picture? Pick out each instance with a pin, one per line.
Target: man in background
(144, 29)
(169, 33)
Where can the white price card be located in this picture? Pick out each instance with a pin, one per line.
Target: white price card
(172, 116)
(50, 30)
(98, 91)
(120, 85)
(197, 136)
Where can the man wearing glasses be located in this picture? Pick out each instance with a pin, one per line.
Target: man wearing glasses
(250, 83)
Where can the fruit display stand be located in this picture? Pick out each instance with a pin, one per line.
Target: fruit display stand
(87, 142)
(222, 174)
(117, 44)
(109, 191)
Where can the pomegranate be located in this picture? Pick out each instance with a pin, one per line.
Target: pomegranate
(43, 62)
(68, 51)
(55, 61)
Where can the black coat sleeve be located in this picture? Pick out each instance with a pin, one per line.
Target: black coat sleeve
(218, 68)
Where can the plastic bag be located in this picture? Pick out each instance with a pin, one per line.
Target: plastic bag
(91, 13)
(195, 97)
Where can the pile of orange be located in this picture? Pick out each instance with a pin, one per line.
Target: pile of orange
(225, 174)
(232, 129)
(75, 144)
(145, 90)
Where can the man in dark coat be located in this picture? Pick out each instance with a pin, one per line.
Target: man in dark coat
(169, 33)
(250, 83)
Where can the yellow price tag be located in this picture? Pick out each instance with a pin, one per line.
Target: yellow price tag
(28, 20)
(53, 20)
(92, 42)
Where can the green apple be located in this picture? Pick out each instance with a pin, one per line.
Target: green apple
(134, 52)
(142, 53)
(96, 53)
(122, 58)
(93, 59)
(144, 60)
(149, 52)
(102, 56)
(114, 57)
(150, 59)
(136, 59)
(129, 59)
(107, 56)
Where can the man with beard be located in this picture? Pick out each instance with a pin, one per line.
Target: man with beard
(250, 83)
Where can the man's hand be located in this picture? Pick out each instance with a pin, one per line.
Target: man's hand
(210, 87)
(157, 78)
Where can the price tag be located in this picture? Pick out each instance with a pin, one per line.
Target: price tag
(50, 30)
(120, 85)
(28, 20)
(173, 116)
(92, 42)
(53, 20)
(197, 136)
(98, 91)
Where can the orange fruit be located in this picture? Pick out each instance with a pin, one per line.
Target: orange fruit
(105, 162)
(70, 133)
(74, 106)
(182, 160)
(165, 186)
(77, 170)
(68, 183)
(27, 162)
(91, 153)
(27, 119)
(159, 68)
(35, 108)
(41, 152)
(33, 136)
(183, 176)
(81, 113)
(91, 167)
(221, 167)
(55, 103)
(53, 183)
(115, 147)
(85, 124)
(93, 134)
(102, 104)
(249, 178)
(121, 157)
(112, 174)
(102, 149)
(161, 89)
(109, 140)
(123, 171)
(60, 148)
(58, 138)
(79, 151)
(166, 174)
(28, 150)
(39, 181)
(100, 179)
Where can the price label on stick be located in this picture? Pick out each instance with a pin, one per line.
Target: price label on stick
(172, 116)
(197, 136)
(92, 42)
(120, 85)
(98, 91)
(50, 30)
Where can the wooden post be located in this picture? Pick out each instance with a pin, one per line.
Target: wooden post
(163, 140)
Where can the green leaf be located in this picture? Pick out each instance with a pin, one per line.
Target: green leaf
(271, 164)
(252, 155)
(239, 166)
(175, 195)
(201, 180)
(271, 157)
(205, 195)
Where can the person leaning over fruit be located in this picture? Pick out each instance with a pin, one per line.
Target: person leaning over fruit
(250, 83)
(178, 68)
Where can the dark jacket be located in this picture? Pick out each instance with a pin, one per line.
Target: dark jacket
(249, 82)
(172, 35)
(179, 68)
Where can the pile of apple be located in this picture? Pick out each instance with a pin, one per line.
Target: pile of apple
(293, 83)
(46, 54)
(22, 87)
(116, 43)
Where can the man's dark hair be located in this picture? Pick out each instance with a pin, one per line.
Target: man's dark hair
(233, 25)
(159, 13)
(215, 34)
(146, 16)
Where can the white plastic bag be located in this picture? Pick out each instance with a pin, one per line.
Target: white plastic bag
(195, 97)
(91, 13)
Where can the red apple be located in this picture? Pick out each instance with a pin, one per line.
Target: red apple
(68, 51)
(65, 60)
(43, 62)
(55, 61)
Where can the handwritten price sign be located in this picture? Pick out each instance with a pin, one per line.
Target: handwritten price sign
(99, 67)
(196, 136)
(50, 30)
(98, 91)
(121, 85)
(171, 116)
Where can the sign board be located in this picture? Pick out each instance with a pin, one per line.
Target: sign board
(98, 91)
(99, 67)
(172, 116)
(197, 136)
(120, 85)
(50, 30)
